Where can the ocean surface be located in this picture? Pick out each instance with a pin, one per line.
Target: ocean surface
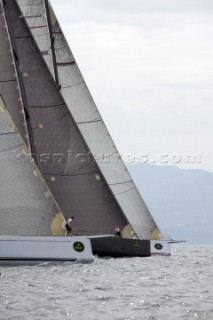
(165, 288)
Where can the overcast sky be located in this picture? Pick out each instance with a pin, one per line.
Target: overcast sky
(149, 67)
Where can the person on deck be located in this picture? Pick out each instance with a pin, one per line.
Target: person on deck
(68, 226)
(117, 232)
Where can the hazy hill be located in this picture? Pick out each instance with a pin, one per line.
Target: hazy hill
(181, 201)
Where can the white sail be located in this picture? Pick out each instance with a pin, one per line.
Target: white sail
(27, 207)
(96, 135)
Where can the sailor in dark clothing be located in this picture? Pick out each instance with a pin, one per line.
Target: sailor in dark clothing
(117, 232)
(68, 226)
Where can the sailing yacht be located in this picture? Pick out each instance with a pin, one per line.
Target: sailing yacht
(59, 121)
(32, 225)
(63, 66)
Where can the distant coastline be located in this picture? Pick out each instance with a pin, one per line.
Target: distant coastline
(180, 200)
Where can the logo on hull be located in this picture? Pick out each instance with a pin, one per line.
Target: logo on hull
(78, 246)
(158, 246)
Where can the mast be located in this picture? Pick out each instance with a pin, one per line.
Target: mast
(20, 75)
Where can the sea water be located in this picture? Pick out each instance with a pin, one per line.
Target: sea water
(155, 288)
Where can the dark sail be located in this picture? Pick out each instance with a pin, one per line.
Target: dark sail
(62, 154)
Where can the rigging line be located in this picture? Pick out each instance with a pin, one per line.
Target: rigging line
(55, 106)
(69, 175)
(6, 133)
(38, 27)
(90, 121)
(62, 64)
(36, 16)
(73, 85)
(114, 184)
(5, 81)
(128, 190)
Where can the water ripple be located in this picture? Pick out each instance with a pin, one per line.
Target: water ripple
(156, 288)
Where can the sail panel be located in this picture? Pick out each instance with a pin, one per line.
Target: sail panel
(27, 207)
(92, 214)
(62, 154)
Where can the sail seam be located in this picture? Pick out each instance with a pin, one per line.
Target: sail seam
(69, 175)
(29, 17)
(90, 121)
(30, 5)
(55, 106)
(37, 27)
(11, 80)
(125, 191)
(62, 64)
(72, 85)
(6, 133)
(123, 182)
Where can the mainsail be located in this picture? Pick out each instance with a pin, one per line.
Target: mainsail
(92, 127)
(62, 155)
(27, 207)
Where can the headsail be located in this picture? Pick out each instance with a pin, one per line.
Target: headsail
(94, 131)
(27, 207)
(62, 154)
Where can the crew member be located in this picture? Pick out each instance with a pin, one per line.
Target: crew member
(68, 226)
(117, 232)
